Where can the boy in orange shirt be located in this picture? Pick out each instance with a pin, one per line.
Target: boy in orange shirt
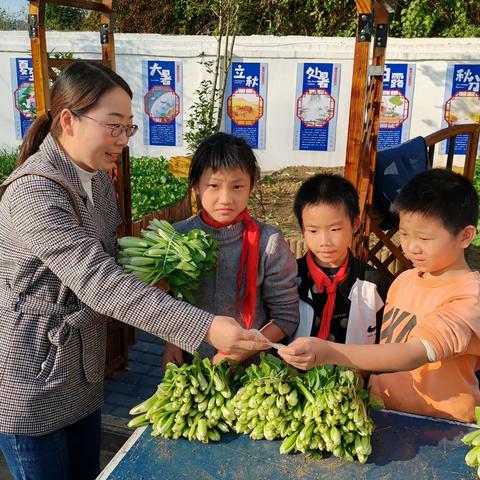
(430, 334)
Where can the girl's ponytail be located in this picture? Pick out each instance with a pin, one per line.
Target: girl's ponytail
(34, 137)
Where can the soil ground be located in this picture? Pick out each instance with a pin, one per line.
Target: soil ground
(273, 196)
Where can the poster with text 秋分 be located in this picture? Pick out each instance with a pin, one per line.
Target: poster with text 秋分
(246, 102)
(461, 102)
(24, 107)
(316, 103)
(162, 83)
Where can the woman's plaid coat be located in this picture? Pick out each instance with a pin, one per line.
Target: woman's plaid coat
(58, 282)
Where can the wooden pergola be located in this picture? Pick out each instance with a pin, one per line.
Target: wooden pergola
(360, 163)
(373, 17)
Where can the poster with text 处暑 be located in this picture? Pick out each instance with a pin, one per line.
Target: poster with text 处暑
(163, 103)
(461, 102)
(24, 107)
(316, 102)
(246, 102)
(396, 107)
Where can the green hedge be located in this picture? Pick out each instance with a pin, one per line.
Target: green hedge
(7, 164)
(153, 186)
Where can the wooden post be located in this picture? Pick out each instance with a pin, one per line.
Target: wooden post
(36, 26)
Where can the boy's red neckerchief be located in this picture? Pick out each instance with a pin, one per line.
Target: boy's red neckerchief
(323, 282)
(250, 254)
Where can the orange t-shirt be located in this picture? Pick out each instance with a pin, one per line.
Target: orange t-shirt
(446, 313)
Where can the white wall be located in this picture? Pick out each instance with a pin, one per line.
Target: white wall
(282, 55)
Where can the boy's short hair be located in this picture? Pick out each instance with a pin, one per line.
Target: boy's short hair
(330, 189)
(443, 194)
(222, 150)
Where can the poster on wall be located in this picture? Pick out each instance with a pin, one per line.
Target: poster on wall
(24, 110)
(246, 102)
(396, 107)
(163, 103)
(316, 102)
(461, 102)
(316, 106)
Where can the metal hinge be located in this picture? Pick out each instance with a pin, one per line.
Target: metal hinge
(381, 35)
(375, 70)
(33, 26)
(365, 26)
(104, 32)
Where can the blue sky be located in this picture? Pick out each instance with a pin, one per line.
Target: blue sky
(14, 6)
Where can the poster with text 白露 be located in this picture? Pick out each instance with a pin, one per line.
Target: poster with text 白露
(316, 102)
(246, 102)
(24, 108)
(461, 102)
(163, 103)
(396, 107)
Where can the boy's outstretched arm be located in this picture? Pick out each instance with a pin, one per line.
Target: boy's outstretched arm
(306, 352)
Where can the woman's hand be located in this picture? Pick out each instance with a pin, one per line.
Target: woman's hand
(237, 357)
(172, 354)
(305, 352)
(227, 336)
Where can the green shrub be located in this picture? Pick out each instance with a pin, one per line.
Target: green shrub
(7, 164)
(153, 186)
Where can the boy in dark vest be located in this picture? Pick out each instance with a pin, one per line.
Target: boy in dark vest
(341, 298)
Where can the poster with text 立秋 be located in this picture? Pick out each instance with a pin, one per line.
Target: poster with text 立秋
(24, 108)
(396, 107)
(162, 83)
(461, 102)
(316, 102)
(246, 102)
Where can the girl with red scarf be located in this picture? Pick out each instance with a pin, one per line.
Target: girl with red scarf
(254, 280)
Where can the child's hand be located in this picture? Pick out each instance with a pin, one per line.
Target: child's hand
(303, 353)
(172, 354)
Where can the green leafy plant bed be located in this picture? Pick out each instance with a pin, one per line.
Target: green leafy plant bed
(153, 186)
(7, 163)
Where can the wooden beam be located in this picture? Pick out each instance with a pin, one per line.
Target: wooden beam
(357, 109)
(108, 46)
(36, 17)
(84, 4)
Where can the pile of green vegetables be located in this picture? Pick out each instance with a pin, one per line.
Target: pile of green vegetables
(162, 252)
(472, 458)
(189, 402)
(321, 411)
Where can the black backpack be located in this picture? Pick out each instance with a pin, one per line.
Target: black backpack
(395, 167)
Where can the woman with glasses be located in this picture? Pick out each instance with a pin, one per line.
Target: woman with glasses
(59, 281)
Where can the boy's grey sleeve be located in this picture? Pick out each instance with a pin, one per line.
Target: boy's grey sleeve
(279, 291)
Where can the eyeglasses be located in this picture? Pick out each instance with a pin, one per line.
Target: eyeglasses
(116, 129)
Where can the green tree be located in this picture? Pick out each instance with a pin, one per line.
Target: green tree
(12, 22)
(63, 18)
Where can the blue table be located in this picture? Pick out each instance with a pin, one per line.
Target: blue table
(405, 447)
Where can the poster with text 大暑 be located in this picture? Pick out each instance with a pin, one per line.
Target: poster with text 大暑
(162, 83)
